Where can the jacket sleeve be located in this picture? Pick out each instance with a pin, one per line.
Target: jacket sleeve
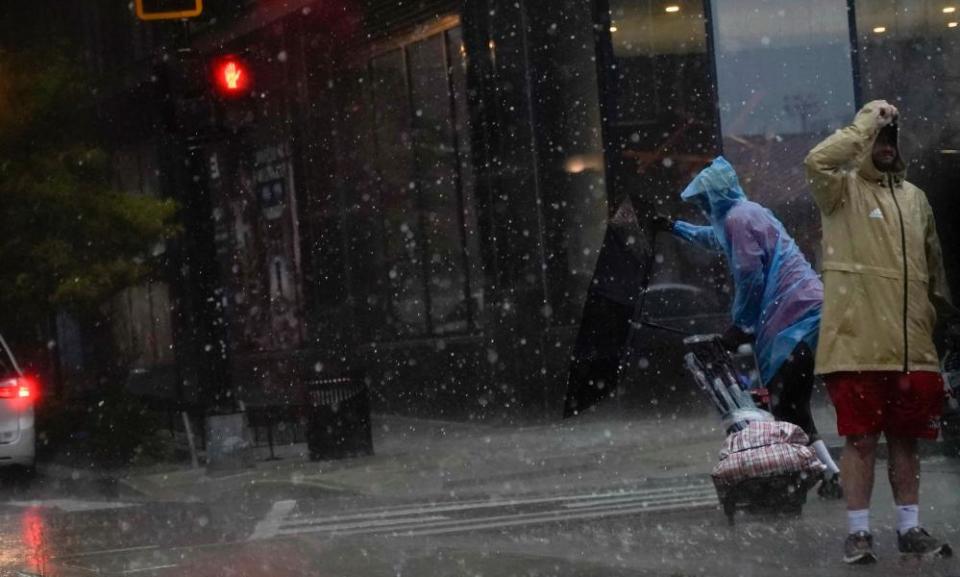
(702, 236)
(828, 163)
(938, 290)
(746, 266)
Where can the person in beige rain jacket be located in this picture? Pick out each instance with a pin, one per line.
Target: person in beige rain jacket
(884, 285)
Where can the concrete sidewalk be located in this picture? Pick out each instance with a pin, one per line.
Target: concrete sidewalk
(421, 458)
(417, 458)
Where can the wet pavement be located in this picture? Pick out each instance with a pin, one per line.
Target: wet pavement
(669, 528)
(609, 515)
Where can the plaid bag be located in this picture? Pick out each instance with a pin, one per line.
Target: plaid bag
(765, 449)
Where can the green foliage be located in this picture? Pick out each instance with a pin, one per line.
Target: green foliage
(68, 238)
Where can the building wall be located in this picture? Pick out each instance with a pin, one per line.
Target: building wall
(456, 168)
(421, 192)
(439, 231)
(424, 160)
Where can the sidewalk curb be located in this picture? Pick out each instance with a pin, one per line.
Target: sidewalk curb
(107, 481)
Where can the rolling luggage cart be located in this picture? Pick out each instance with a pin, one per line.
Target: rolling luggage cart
(765, 465)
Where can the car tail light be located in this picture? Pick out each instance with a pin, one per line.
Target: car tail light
(17, 388)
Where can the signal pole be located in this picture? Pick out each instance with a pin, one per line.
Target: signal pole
(188, 120)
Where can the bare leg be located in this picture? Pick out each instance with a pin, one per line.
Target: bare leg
(856, 470)
(904, 470)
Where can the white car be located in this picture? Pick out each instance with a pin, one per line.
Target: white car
(18, 394)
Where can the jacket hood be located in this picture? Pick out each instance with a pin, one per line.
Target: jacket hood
(719, 184)
(867, 169)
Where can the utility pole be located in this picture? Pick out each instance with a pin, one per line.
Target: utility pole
(197, 92)
(188, 119)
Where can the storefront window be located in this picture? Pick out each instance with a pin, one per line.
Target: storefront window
(398, 193)
(571, 172)
(909, 54)
(457, 69)
(436, 162)
(421, 196)
(364, 227)
(661, 119)
(784, 82)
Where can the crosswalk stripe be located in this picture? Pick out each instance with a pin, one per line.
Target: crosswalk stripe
(581, 515)
(493, 503)
(271, 522)
(707, 492)
(597, 510)
(372, 524)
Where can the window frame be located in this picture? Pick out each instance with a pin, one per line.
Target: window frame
(362, 64)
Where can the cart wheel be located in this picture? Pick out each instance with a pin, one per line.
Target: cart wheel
(792, 511)
(730, 510)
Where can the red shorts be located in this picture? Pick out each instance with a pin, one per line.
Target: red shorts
(895, 403)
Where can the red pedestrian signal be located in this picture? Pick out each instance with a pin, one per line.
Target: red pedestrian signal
(168, 9)
(231, 76)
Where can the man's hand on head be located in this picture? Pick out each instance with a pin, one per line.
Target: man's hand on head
(884, 113)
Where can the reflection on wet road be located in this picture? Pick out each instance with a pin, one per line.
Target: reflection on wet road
(671, 527)
(46, 525)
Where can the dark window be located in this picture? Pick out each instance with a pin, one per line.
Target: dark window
(364, 225)
(467, 207)
(400, 209)
(783, 86)
(660, 120)
(437, 175)
(909, 54)
(427, 280)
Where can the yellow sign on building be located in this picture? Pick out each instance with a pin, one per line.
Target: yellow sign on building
(168, 9)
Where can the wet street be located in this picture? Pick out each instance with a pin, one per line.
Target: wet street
(77, 525)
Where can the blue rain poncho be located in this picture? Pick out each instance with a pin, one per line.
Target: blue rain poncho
(778, 295)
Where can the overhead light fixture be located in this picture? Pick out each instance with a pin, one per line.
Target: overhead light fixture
(951, 24)
(949, 9)
(613, 29)
(672, 8)
(879, 29)
(583, 162)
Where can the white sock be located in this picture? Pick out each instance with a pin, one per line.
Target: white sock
(858, 520)
(908, 517)
(824, 455)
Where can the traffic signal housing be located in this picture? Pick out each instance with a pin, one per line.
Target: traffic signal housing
(168, 9)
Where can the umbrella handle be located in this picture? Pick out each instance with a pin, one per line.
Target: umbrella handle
(647, 273)
(652, 325)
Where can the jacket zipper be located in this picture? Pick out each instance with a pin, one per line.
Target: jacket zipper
(903, 257)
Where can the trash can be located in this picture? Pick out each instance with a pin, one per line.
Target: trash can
(338, 417)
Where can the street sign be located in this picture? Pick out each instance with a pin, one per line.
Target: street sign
(168, 9)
